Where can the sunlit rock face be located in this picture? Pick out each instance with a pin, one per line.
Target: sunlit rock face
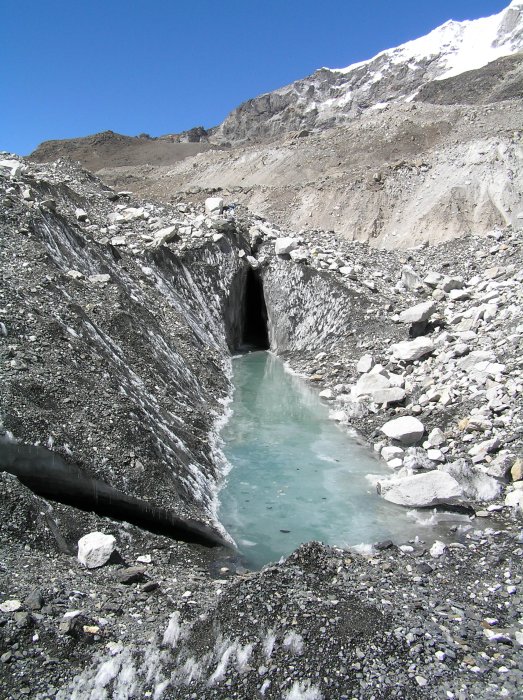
(331, 97)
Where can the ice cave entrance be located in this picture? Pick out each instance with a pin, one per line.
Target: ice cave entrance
(295, 475)
(255, 333)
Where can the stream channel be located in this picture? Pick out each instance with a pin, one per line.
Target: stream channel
(297, 476)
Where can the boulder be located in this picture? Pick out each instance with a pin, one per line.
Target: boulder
(407, 429)
(433, 279)
(474, 485)
(365, 364)
(450, 283)
(283, 246)
(409, 278)
(421, 490)
(166, 235)
(418, 313)
(391, 452)
(349, 272)
(516, 471)
(213, 205)
(300, 255)
(514, 499)
(438, 549)
(410, 350)
(436, 438)
(377, 388)
(99, 279)
(95, 549)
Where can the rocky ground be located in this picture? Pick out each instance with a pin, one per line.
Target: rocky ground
(395, 177)
(430, 334)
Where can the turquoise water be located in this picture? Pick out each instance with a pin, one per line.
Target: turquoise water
(296, 476)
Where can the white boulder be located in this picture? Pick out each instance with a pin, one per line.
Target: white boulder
(378, 388)
(365, 364)
(438, 549)
(421, 490)
(418, 313)
(410, 350)
(213, 205)
(436, 438)
(283, 246)
(390, 452)
(407, 429)
(165, 235)
(95, 549)
(514, 499)
(409, 278)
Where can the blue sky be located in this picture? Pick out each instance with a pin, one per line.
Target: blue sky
(75, 68)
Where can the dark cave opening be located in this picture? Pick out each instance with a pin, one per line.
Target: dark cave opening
(255, 333)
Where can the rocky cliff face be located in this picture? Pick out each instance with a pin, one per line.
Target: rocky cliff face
(333, 97)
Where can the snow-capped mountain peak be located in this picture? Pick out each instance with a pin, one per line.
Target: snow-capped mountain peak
(460, 46)
(333, 96)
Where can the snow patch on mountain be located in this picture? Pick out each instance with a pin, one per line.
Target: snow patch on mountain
(459, 46)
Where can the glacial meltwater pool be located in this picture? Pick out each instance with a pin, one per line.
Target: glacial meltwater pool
(296, 475)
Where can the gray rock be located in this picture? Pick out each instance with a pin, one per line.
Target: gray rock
(450, 283)
(410, 350)
(132, 574)
(409, 278)
(474, 485)
(35, 600)
(433, 279)
(421, 490)
(418, 313)
(99, 279)
(473, 358)
(166, 235)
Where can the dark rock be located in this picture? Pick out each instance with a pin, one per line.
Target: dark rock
(133, 574)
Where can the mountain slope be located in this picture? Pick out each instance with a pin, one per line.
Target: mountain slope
(332, 97)
(398, 150)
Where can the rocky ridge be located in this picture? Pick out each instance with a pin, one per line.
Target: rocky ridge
(332, 97)
(428, 334)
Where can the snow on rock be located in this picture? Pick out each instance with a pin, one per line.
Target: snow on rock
(95, 549)
(457, 47)
(407, 429)
(421, 490)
